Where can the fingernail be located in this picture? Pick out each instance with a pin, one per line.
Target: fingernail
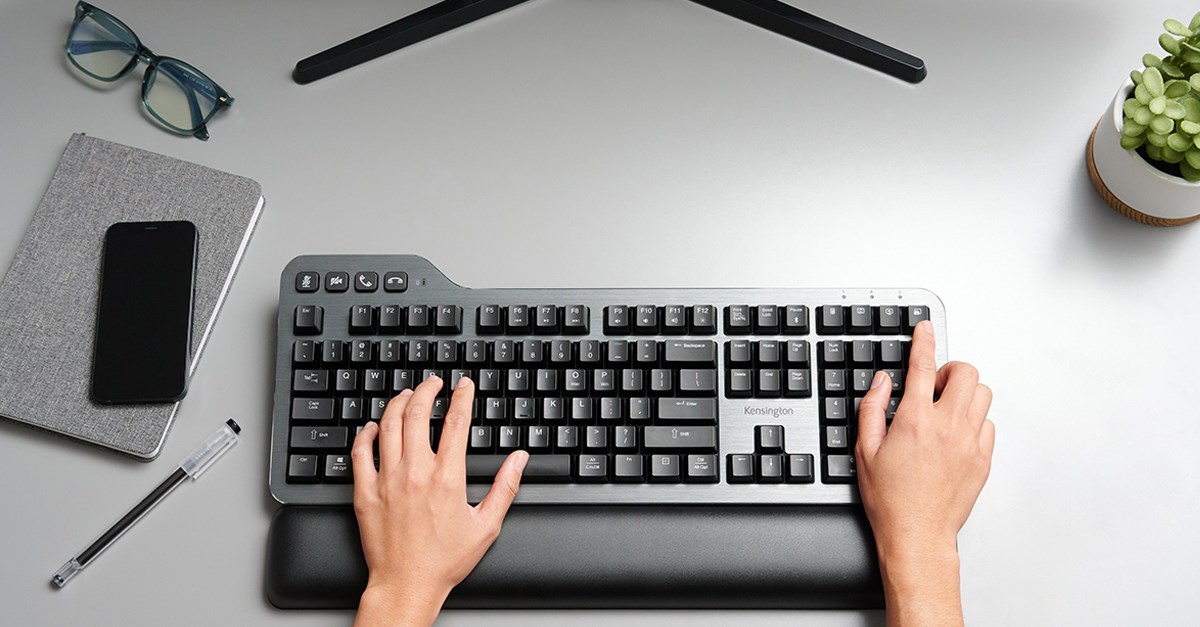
(463, 382)
(522, 459)
(406, 392)
(878, 380)
(433, 376)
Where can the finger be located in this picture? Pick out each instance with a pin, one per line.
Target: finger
(958, 387)
(980, 404)
(391, 434)
(987, 438)
(922, 368)
(416, 420)
(362, 458)
(452, 448)
(872, 415)
(504, 489)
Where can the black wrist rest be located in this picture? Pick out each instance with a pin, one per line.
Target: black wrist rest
(609, 557)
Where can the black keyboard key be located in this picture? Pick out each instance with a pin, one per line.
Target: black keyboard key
(831, 320)
(338, 468)
(616, 352)
(391, 352)
(704, 319)
(604, 381)
(488, 319)
(489, 381)
(539, 468)
(639, 409)
(833, 353)
(391, 319)
(836, 438)
(309, 320)
(518, 319)
(861, 322)
(580, 410)
(660, 381)
(518, 381)
(567, 438)
(524, 409)
(833, 382)
(616, 320)
(509, 439)
(740, 383)
(897, 375)
(403, 380)
(420, 320)
(739, 352)
(446, 353)
(593, 468)
(305, 352)
(834, 410)
(319, 437)
(860, 381)
(376, 406)
(628, 469)
(545, 381)
(475, 352)
(768, 439)
(768, 352)
(913, 315)
(737, 320)
(701, 469)
(533, 352)
(333, 352)
(770, 468)
(539, 438)
(361, 352)
(308, 281)
(505, 352)
(480, 441)
(576, 320)
(375, 380)
(395, 281)
(891, 352)
(800, 468)
(645, 320)
(596, 438)
(545, 320)
(449, 320)
(495, 410)
(839, 469)
(302, 468)
(697, 381)
(665, 468)
(345, 381)
(337, 282)
(352, 409)
(768, 384)
(645, 352)
(862, 353)
(674, 320)
(887, 320)
(892, 406)
(681, 437)
(312, 409)
(795, 320)
(632, 381)
(310, 381)
(798, 384)
(625, 438)
(611, 409)
(362, 319)
(699, 352)
(766, 319)
(366, 282)
(560, 352)
(687, 410)
(741, 468)
(553, 409)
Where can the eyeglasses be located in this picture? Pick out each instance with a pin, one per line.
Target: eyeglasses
(178, 95)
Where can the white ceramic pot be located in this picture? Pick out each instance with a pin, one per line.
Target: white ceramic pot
(1136, 189)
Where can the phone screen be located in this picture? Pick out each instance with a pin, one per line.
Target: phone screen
(144, 316)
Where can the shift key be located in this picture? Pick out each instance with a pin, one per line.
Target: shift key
(689, 410)
(319, 437)
(680, 437)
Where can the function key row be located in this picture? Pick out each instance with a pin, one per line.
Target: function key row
(364, 282)
(539, 319)
(867, 319)
(390, 319)
(655, 320)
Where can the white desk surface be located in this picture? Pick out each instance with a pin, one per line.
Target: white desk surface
(657, 143)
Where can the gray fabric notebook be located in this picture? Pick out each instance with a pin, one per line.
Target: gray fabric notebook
(48, 296)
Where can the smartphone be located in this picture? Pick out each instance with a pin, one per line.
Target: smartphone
(143, 349)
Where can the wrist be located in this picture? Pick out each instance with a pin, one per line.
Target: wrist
(398, 605)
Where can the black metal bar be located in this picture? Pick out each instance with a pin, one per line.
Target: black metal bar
(789, 21)
(429, 22)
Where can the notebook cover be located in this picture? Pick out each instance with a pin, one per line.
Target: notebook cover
(48, 296)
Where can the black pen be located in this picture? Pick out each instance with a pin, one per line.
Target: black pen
(196, 463)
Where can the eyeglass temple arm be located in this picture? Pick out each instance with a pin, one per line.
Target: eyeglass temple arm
(88, 47)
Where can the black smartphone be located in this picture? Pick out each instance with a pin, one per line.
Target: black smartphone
(143, 349)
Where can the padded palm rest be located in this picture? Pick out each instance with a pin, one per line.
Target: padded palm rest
(556, 556)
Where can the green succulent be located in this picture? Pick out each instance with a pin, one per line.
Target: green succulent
(1162, 117)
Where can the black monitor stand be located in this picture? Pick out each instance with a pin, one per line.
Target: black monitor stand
(772, 15)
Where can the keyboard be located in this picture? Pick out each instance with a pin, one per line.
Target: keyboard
(620, 396)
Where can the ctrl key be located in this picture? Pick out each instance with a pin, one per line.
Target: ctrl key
(302, 468)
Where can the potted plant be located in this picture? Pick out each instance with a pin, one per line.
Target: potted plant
(1144, 154)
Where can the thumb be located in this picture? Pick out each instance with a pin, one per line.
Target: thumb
(872, 415)
(504, 489)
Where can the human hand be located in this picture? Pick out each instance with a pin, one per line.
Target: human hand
(420, 536)
(920, 478)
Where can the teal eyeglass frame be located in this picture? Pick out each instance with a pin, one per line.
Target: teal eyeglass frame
(139, 52)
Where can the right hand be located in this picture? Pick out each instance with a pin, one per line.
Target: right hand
(920, 478)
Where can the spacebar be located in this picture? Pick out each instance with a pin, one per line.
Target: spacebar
(540, 469)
